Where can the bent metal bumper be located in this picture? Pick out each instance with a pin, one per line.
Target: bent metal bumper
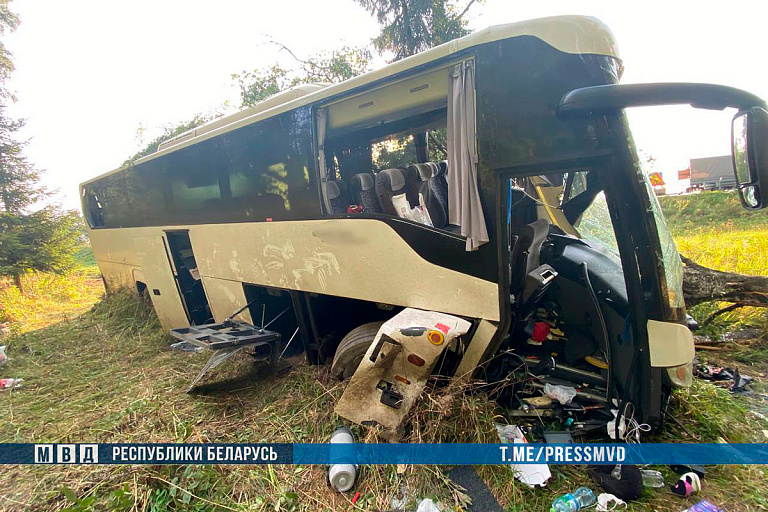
(396, 366)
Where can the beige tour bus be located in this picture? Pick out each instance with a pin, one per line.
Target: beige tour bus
(476, 210)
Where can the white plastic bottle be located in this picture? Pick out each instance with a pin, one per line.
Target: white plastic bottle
(342, 476)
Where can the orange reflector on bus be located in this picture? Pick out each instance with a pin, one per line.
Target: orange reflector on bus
(436, 337)
(414, 359)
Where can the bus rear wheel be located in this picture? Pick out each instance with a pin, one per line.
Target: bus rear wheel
(352, 348)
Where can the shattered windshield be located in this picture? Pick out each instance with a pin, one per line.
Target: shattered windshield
(673, 267)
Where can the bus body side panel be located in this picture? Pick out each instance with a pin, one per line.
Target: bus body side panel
(356, 258)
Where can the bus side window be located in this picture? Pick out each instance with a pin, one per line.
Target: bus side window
(94, 209)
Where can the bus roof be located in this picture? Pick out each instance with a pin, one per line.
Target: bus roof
(569, 34)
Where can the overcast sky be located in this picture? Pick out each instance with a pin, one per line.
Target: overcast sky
(90, 73)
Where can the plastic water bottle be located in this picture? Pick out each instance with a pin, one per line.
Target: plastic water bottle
(579, 499)
(652, 478)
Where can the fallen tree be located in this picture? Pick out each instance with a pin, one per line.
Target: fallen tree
(702, 284)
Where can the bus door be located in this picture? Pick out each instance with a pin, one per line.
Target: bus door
(188, 277)
(160, 281)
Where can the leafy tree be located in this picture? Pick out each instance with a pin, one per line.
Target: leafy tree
(327, 67)
(45, 241)
(18, 179)
(259, 85)
(411, 26)
(42, 238)
(8, 22)
(169, 132)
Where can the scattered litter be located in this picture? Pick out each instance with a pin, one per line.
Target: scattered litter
(402, 501)
(185, 346)
(725, 377)
(3, 355)
(539, 401)
(529, 474)
(357, 497)
(606, 502)
(563, 394)
(579, 499)
(10, 383)
(740, 382)
(713, 372)
(704, 506)
(342, 476)
(557, 436)
(629, 485)
(652, 478)
(688, 484)
(427, 505)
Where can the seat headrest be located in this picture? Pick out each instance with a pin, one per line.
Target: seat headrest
(363, 181)
(423, 171)
(443, 166)
(332, 190)
(395, 177)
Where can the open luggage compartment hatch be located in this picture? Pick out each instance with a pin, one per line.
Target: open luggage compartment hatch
(227, 339)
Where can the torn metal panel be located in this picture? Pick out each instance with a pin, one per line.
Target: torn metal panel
(479, 349)
(396, 366)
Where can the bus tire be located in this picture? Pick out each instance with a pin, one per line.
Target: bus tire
(352, 348)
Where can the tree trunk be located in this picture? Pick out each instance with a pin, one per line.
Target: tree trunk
(702, 284)
(17, 282)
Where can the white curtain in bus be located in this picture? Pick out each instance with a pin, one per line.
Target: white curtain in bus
(464, 207)
(322, 121)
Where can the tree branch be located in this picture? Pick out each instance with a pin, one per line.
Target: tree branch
(466, 8)
(281, 45)
(702, 284)
(721, 311)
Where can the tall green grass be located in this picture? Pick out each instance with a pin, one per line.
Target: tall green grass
(47, 298)
(706, 210)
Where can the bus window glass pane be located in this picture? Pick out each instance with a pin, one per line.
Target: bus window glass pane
(255, 173)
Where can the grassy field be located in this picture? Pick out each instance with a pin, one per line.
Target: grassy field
(713, 229)
(106, 374)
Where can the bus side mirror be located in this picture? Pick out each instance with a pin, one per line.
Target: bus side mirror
(749, 146)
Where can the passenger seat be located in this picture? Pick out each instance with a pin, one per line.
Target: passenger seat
(389, 183)
(363, 192)
(431, 201)
(334, 191)
(412, 185)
